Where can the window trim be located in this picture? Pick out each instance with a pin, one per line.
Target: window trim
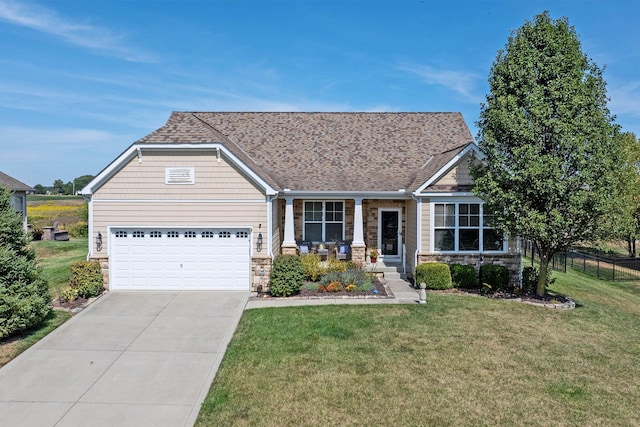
(324, 221)
(456, 227)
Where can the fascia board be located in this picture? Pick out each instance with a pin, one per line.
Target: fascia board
(472, 147)
(320, 195)
(132, 151)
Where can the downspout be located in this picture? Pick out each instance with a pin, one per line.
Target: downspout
(89, 200)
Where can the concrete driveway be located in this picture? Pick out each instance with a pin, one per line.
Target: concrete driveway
(129, 359)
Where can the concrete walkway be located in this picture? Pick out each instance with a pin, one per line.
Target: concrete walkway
(129, 359)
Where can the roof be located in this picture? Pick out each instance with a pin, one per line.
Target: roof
(13, 183)
(327, 151)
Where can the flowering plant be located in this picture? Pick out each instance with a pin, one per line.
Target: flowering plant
(374, 252)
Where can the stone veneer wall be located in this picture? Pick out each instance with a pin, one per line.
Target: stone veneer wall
(104, 266)
(511, 261)
(260, 273)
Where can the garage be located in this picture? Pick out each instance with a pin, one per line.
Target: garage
(157, 258)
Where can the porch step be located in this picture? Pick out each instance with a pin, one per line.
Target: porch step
(389, 271)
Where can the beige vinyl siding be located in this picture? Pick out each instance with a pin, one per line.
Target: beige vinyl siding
(426, 226)
(179, 214)
(411, 235)
(146, 179)
(459, 175)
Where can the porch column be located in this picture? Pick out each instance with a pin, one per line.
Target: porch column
(289, 245)
(358, 250)
(358, 233)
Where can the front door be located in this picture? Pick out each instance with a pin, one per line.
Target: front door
(390, 233)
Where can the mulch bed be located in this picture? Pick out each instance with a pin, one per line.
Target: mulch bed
(313, 293)
(523, 297)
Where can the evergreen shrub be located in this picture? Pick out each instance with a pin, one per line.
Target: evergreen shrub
(435, 275)
(287, 276)
(463, 276)
(496, 276)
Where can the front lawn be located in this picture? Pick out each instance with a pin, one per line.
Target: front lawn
(459, 360)
(55, 258)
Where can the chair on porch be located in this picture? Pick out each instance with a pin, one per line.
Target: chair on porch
(343, 250)
(305, 247)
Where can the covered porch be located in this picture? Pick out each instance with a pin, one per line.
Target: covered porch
(362, 223)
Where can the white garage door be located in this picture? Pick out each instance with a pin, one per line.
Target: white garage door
(147, 258)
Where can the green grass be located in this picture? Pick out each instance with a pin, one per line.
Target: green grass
(55, 259)
(458, 361)
(12, 347)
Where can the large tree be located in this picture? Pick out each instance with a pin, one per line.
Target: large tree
(550, 141)
(626, 223)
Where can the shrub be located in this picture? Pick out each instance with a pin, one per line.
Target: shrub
(334, 287)
(530, 277)
(463, 276)
(86, 277)
(24, 294)
(313, 268)
(322, 288)
(497, 276)
(353, 276)
(338, 266)
(69, 294)
(435, 275)
(351, 287)
(79, 229)
(287, 276)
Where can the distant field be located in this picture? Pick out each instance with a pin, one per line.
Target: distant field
(67, 211)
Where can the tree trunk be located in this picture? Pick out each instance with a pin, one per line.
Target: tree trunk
(541, 289)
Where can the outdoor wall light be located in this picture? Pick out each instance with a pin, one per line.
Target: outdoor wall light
(99, 242)
(259, 242)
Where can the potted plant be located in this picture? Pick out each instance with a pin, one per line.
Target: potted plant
(374, 255)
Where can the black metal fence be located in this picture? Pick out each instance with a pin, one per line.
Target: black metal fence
(608, 268)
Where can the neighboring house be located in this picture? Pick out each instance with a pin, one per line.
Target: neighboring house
(19, 197)
(207, 200)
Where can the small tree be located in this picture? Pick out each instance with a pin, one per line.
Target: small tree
(24, 294)
(551, 147)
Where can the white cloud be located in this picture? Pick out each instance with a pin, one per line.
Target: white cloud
(461, 82)
(92, 37)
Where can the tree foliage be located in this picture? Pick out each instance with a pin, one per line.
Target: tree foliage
(625, 223)
(24, 294)
(550, 142)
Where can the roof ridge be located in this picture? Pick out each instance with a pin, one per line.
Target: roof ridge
(226, 137)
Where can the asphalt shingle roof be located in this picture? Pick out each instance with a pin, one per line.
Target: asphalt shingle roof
(328, 151)
(13, 183)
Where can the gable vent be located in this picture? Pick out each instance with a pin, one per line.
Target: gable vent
(179, 175)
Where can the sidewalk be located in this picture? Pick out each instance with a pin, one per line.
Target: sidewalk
(400, 292)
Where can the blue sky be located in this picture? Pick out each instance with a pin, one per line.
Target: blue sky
(81, 80)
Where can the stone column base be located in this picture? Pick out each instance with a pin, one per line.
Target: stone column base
(289, 250)
(359, 254)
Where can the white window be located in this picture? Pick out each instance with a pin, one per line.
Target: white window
(464, 227)
(323, 221)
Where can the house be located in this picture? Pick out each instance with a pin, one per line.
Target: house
(207, 200)
(19, 196)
